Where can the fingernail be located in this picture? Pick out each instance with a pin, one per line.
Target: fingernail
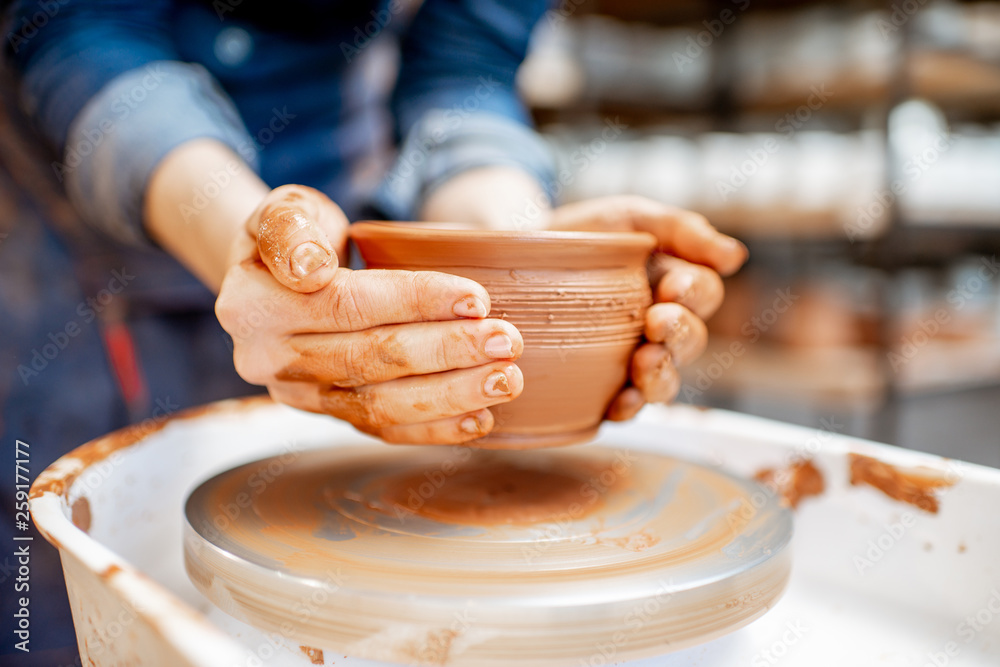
(496, 385)
(731, 244)
(470, 306)
(306, 258)
(499, 346)
(470, 425)
(740, 254)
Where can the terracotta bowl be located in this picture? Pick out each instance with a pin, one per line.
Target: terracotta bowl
(578, 298)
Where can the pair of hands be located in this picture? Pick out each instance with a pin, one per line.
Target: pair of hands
(409, 356)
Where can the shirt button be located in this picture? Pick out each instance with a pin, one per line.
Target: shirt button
(233, 46)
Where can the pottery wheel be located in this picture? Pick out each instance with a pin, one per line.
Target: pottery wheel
(467, 557)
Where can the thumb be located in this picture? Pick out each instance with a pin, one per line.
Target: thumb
(300, 236)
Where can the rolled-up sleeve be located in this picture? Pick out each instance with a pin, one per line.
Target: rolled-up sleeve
(102, 81)
(456, 105)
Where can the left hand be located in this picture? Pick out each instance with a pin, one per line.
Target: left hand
(687, 287)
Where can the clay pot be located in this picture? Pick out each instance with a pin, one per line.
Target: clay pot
(578, 298)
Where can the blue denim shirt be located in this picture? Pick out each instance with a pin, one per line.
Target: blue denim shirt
(115, 85)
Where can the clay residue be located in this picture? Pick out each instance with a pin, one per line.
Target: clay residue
(80, 513)
(435, 649)
(747, 600)
(639, 541)
(111, 571)
(914, 487)
(277, 223)
(500, 385)
(489, 492)
(798, 480)
(315, 655)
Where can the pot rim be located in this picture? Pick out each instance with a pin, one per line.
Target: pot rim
(437, 232)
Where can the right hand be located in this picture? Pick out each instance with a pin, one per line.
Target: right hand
(405, 356)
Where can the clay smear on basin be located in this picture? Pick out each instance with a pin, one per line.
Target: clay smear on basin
(315, 655)
(53, 480)
(794, 482)
(917, 487)
(80, 513)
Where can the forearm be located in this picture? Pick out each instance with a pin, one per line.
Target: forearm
(490, 198)
(197, 200)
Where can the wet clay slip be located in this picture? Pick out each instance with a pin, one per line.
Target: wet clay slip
(578, 299)
(547, 553)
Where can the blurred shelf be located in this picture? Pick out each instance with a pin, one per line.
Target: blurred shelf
(757, 225)
(687, 11)
(947, 365)
(849, 378)
(842, 377)
(954, 79)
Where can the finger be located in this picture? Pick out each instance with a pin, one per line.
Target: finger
(358, 300)
(696, 287)
(682, 233)
(683, 333)
(626, 405)
(449, 431)
(385, 353)
(654, 374)
(355, 300)
(410, 400)
(300, 234)
(425, 398)
(689, 235)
